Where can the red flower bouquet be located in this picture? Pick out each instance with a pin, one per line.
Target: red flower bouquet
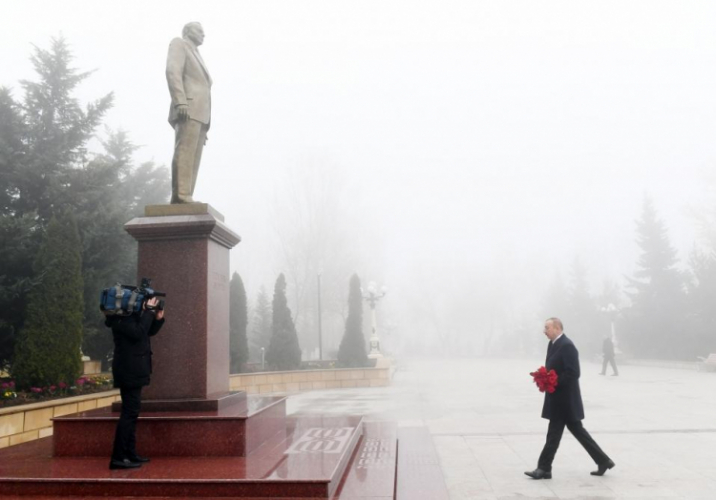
(545, 380)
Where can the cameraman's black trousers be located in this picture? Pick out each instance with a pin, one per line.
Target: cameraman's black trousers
(125, 437)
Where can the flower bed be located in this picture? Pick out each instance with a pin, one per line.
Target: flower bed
(9, 396)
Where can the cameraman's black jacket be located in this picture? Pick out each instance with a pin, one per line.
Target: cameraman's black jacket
(132, 363)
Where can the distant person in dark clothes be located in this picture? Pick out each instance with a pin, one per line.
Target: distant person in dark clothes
(131, 368)
(563, 408)
(608, 350)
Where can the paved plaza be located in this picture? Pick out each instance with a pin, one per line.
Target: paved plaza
(657, 424)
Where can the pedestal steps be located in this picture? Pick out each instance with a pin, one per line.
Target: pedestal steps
(308, 462)
(232, 431)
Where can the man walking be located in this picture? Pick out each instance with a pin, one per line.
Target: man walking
(564, 406)
(608, 351)
(190, 113)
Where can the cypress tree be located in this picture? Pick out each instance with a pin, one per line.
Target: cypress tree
(49, 348)
(238, 319)
(352, 352)
(284, 352)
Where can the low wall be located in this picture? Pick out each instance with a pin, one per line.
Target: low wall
(22, 423)
(27, 422)
(310, 380)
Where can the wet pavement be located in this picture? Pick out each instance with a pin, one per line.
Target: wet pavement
(657, 424)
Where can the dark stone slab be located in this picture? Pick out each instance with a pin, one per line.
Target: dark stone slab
(233, 431)
(308, 461)
(216, 402)
(371, 474)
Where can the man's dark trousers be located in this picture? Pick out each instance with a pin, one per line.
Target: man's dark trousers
(609, 360)
(554, 436)
(125, 436)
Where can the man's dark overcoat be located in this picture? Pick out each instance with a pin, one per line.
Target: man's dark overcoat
(565, 403)
(132, 363)
(608, 348)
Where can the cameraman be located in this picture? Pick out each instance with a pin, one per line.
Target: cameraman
(131, 367)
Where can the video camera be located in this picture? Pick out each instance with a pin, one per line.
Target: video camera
(124, 300)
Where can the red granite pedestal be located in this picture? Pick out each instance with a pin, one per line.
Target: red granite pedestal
(204, 440)
(185, 251)
(337, 458)
(235, 431)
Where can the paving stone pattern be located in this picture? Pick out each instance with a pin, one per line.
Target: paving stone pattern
(658, 425)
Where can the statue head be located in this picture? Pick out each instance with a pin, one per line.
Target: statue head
(194, 32)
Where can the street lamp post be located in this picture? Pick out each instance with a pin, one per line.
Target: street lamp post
(320, 327)
(373, 296)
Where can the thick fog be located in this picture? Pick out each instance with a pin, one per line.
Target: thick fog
(464, 154)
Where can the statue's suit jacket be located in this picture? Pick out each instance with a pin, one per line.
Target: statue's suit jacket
(189, 82)
(565, 403)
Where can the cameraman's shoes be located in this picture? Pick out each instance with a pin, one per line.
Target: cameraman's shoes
(123, 464)
(138, 459)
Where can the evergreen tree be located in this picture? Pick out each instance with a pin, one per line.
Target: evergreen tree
(283, 352)
(49, 348)
(352, 351)
(238, 320)
(19, 236)
(12, 148)
(58, 130)
(701, 313)
(260, 325)
(654, 324)
(45, 169)
(105, 194)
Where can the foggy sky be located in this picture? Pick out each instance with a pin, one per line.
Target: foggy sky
(500, 138)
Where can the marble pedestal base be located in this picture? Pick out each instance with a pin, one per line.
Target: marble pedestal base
(215, 402)
(184, 249)
(233, 431)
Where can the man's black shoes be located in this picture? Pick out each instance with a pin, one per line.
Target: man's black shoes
(539, 474)
(138, 459)
(123, 464)
(603, 468)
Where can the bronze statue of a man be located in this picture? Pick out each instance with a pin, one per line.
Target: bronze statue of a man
(190, 112)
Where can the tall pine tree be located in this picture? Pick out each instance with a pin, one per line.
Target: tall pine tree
(701, 313)
(45, 169)
(49, 348)
(58, 131)
(238, 320)
(284, 352)
(654, 325)
(352, 351)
